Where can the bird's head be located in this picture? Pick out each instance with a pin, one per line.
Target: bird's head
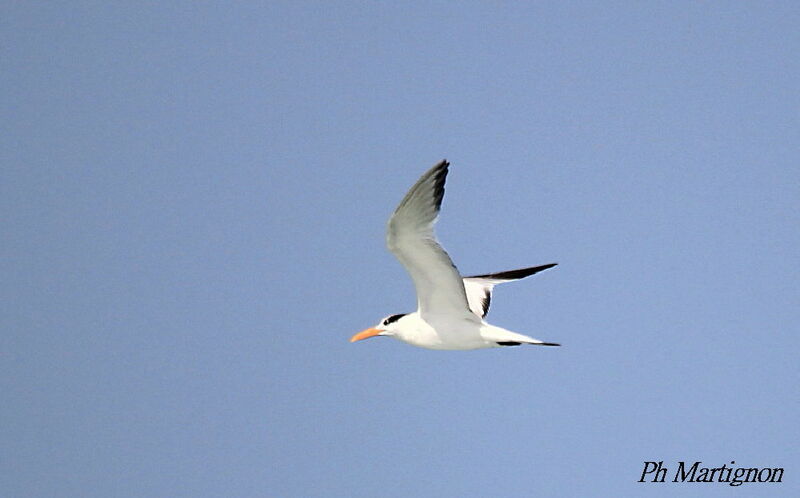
(387, 326)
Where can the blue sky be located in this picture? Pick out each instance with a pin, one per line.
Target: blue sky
(194, 198)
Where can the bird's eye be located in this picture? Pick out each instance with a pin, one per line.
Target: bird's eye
(393, 318)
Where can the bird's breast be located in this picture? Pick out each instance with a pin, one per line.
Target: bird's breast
(444, 334)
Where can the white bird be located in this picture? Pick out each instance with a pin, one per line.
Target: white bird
(450, 308)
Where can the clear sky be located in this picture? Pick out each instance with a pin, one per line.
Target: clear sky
(193, 200)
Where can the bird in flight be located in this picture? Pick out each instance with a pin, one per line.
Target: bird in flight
(451, 308)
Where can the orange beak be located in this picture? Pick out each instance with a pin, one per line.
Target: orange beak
(365, 334)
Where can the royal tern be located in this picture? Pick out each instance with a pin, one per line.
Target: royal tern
(451, 308)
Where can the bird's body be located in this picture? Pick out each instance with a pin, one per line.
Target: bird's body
(450, 307)
(462, 333)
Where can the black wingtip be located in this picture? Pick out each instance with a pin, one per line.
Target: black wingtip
(440, 175)
(516, 274)
(545, 344)
(487, 300)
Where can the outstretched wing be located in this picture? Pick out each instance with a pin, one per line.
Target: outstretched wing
(479, 287)
(410, 237)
